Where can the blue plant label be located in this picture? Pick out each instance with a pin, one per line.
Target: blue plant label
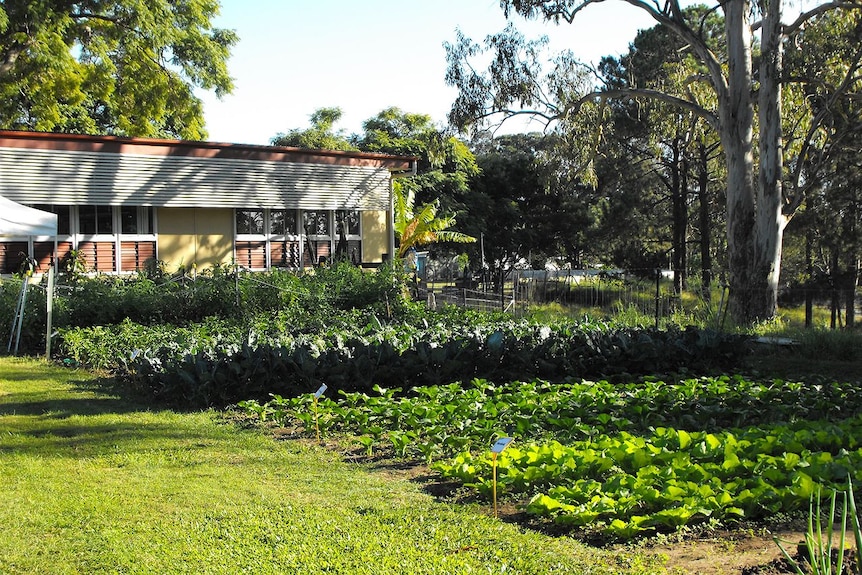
(320, 391)
(501, 444)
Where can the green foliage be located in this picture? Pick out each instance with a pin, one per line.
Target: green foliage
(626, 484)
(447, 418)
(111, 66)
(445, 163)
(33, 321)
(258, 303)
(355, 358)
(624, 458)
(420, 226)
(320, 136)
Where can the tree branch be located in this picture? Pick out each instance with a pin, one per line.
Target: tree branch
(687, 105)
(10, 56)
(803, 18)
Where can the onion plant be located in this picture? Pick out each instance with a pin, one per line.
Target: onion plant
(818, 544)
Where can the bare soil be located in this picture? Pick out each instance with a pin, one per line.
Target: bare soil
(729, 553)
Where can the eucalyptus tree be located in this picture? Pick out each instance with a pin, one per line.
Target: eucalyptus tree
(121, 67)
(758, 204)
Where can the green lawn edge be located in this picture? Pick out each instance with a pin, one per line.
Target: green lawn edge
(93, 482)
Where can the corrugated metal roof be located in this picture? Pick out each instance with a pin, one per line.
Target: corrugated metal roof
(161, 147)
(86, 177)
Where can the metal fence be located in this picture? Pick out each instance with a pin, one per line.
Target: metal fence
(609, 292)
(476, 299)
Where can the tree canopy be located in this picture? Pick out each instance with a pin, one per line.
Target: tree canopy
(122, 67)
(321, 135)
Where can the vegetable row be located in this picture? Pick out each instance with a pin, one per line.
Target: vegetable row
(613, 457)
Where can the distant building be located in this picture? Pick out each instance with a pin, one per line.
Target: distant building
(122, 201)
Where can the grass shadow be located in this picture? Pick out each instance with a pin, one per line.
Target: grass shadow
(98, 396)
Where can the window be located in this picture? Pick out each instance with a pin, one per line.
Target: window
(282, 222)
(136, 220)
(316, 223)
(249, 222)
(108, 237)
(268, 238)
(349, 219)
(93, 220)
(64, 227)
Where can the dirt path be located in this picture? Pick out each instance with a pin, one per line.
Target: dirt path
(729, 553)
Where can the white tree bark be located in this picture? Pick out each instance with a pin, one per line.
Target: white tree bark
(736, 122)
(770, 219)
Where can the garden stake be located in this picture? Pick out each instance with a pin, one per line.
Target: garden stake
(497, 449)
(316, 396)
(494, 480)
(316, 425)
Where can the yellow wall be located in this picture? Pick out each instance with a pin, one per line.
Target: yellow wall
(375, 239)
(202, 236)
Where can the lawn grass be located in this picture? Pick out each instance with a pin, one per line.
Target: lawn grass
(92, 482)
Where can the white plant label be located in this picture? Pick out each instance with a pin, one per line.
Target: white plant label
(501, 444)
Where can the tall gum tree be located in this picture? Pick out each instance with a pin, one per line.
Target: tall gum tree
(757, 204)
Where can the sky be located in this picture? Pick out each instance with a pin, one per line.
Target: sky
(363, 56)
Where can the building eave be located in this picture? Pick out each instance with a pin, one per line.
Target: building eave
(198, 149)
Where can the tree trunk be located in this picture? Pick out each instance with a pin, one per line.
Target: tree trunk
(770, 219)
(703, 199)
(834, 287)
(678, 197)
(736, 131)
(809, 288)
(851, 261)
(850, 298)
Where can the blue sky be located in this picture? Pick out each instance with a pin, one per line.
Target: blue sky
(295, 56)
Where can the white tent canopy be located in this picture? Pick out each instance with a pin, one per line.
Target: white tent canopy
(19, 220)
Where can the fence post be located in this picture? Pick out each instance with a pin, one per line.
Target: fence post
(516, 282)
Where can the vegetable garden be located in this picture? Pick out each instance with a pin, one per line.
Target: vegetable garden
(620, 430)
(623, 458)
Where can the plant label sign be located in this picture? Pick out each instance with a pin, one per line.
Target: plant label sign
(501, 444)
(320, 391)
